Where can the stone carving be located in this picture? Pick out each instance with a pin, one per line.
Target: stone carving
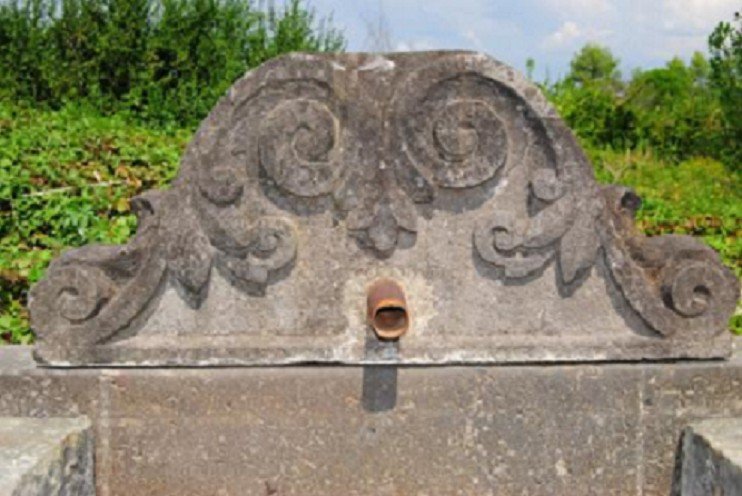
(446, 171)
(676, 283)
(444, 142)
(299, 147)
(92, 294)
(521, 244)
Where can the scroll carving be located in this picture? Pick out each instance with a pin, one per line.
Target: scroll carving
(440, 141)
(676, 283)
(462, 143)
(91, 293)
(448, 165)
(299, 147)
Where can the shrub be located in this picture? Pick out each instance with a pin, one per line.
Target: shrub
(163, 61)
(65, 180)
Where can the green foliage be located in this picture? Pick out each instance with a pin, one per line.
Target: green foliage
(699, 197)
(594, 64)
(65, 180)
(676, 113)
(163, 61)
(725, 44)
(587, 99)
(595, 113)
(673, 111)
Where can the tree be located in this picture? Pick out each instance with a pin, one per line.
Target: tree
(594, 63)
(589, 99)
(166, 61)
(725, 45)
(676, 115)
(700, 69)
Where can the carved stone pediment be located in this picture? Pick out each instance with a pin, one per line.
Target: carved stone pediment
(445, 172)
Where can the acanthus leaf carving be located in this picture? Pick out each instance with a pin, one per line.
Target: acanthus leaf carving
(578, 246)
(522, 243)
(380, 225)
(271, 245)
(189, 260)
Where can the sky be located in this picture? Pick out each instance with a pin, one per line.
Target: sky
(641, 33)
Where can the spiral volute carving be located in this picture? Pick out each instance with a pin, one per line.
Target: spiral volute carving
(299, 147)
(693, 289)
(81, 292)
(458, 144)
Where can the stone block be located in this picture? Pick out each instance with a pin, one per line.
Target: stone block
(304, 431)
(46, 457)
(711, 461)
(576, 429)
(676, 396)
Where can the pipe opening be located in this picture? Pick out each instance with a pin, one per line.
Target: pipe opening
(391, 320)
(387, 309)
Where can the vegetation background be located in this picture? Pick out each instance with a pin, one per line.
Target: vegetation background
(99, 97)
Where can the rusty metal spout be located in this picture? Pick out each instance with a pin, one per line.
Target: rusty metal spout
(387, 309)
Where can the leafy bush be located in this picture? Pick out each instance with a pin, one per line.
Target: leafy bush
(697, 197)
(163, 61)
(65, 180)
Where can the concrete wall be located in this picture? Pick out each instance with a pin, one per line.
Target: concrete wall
(610, 429)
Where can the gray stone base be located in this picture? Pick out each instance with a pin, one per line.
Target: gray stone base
(46, 457)
(712, 458)
(609, 429)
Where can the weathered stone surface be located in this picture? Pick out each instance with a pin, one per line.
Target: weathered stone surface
(446, 171)
(49, 457)
(712, 458)
(580, 429)
(675, 397)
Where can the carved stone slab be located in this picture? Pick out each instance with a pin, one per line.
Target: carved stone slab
(445, 172)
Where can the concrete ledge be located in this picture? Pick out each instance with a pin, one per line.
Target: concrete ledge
(588, 429)
(712, 458)
(49, 457)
